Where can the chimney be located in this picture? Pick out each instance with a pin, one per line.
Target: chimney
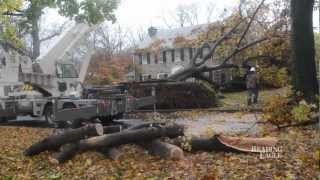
(152, 31)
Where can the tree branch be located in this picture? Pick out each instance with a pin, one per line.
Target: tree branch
(19, 50)
(250, 22)
(54, 34)
(215, 45)
(12, 14)
(196, 67)
(238, 50)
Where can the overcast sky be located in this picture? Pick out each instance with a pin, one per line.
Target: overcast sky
(137, 13)
(144, 13)
(141, 14)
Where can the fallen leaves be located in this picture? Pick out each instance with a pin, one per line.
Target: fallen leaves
(298, 161)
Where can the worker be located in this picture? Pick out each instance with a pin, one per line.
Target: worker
(252, 86)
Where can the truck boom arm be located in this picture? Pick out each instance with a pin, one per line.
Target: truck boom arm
(63, 47)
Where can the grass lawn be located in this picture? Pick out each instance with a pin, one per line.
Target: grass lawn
(240, 98)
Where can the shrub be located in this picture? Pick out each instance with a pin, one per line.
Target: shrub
(286, 109)
(278, 111)
(302, 111)
(273, 77)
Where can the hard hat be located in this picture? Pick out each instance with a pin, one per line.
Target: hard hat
(252, 69)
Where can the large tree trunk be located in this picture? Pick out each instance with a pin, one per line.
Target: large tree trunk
(303, 51)
(164, 150)
(69, 136)
(111, 153)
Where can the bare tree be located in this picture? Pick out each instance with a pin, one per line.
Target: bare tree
(210, 9)
(134, 37)
(183, 15)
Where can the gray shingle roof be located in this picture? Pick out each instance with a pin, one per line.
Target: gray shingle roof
(168, 36)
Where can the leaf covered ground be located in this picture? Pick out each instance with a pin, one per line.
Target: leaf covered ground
(297, 160)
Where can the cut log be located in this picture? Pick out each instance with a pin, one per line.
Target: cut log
(72, 135)
(112, 153)
(116, 139)
(113, 129)
(145, 125)
(134, 136)
(66, 153)
(164, 150)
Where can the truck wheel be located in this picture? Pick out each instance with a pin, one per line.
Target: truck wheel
(48, 114)
(119, 116)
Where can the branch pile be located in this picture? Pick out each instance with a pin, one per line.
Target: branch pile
(105, 140)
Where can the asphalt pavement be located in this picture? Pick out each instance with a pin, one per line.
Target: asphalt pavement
(27, 121)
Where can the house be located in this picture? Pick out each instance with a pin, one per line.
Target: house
(165, 51)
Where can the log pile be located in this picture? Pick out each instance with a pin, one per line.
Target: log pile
(106, 140)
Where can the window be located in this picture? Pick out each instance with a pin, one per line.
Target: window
(156, 59)
(148, 58)
(201, 53)
(164, 56)
(66, 71)
(140, 58)
(182, 54)
(172, 55)
(190, 53)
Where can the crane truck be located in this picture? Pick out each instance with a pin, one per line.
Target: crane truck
(51, 85)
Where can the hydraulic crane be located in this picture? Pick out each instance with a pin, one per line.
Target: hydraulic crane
(57, 85)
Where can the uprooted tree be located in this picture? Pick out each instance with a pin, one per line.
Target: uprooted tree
(271, 41)
(231, 43)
